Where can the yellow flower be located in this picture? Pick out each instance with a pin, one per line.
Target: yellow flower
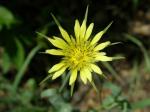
(79, 53)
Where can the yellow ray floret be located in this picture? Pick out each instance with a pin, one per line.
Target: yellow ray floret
(79, 53)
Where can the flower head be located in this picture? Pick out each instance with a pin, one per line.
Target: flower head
(79, 52)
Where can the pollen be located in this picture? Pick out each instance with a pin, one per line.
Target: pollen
(79, 56)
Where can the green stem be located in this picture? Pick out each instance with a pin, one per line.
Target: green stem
(114, 73)
(146, 57)
(72, 88)
(64, 82)
(94, 86)
(24, 66)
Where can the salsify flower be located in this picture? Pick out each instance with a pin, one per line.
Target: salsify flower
(79, 52)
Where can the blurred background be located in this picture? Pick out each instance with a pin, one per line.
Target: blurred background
(23, 66)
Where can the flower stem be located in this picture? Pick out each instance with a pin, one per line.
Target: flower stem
(64, 82)
(21, 72)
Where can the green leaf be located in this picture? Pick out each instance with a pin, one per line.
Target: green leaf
(58, 103)
(114, 88)
(146, 59)
(19, 55)
(23, 68)
(48, 93)
(6, 63)
(141, 46)
(108, 101)
(141, 104)
(6, 17)
(134, 40)
(125, 107)
(29, 109)
(31, 84)
(113, 72)
(28, 92)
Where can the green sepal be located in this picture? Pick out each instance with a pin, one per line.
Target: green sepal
(72, 88)
(42, 35)
(94, 86)
(115, 43)
(45, 79)
(56, 21)
(104, 31)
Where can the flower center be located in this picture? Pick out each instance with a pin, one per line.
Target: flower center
(79, 56)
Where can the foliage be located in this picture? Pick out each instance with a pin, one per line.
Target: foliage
(23, 64)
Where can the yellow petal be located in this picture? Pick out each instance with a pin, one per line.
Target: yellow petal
(101, 46)
(88, 74)
(77, 30)
(83, 76)
(73, 76)
(58, 42)
(96, 69)
(99, 35)
(103, 58)
(100, 53)
(82, 30)
(64, 34)
(62, 31)
(54, 52)
(86, 13)
(58, 73)
(72, 40)
(89, 31)
(83, 26)
(56, 67)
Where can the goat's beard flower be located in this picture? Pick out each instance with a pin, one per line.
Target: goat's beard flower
(79, 54)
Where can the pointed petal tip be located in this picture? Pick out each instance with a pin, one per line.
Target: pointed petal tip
(64, 34)
(96, 69)
(56, 21)
(54, 52)
(86, 13)
(70, 83)
(83, 76)
(115, 43)
(102, 46)
(118, 58)
(73, 77)
(42, 35)
(56, 67)
(89, 31)
(108, 26)
(84, 81)
(98, 36)
(77, 29)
